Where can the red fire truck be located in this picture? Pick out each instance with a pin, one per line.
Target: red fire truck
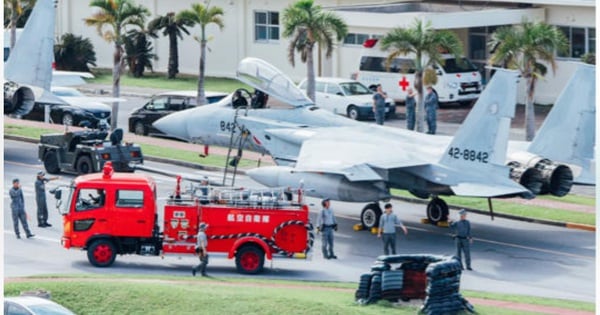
(112, 213)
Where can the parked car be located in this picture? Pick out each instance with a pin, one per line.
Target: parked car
(76, 111)
(32, 305)
(347, 97)
(141, 119)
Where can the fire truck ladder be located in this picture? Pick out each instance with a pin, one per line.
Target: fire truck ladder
(238, 139)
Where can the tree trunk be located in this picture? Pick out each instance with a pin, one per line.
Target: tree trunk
(310, 74)
(13, 29)
(529, 110)
(420, 115)
(117, 61)
(173, 54)
(201, 98)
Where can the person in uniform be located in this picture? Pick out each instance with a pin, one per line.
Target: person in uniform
(379, 105)
(462, 237)
(410, 109)
(431, 106)
(326, 224)
(201, 245)
(40, 199)
(387, 229)
(17, 207)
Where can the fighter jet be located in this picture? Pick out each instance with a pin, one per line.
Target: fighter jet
(345, 160)
(28, 70)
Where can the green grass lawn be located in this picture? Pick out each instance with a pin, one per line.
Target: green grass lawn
(159, 81)
(121, 294)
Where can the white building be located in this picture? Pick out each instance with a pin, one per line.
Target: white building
(253, 28)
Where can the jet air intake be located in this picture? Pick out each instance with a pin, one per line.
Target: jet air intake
(557, 179)
(18, 100)
(320, 185)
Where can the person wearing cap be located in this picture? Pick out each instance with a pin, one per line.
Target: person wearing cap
(201, 244)
(410, 104)
(462, 238)
(431, 106)
(387, 228)
(40, 199)
(379, 105)
(17, 207)
(327, 225)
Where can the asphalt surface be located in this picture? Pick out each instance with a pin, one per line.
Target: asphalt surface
(508, 256)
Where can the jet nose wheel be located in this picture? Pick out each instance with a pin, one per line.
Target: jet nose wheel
(437, 211)
(370, 215)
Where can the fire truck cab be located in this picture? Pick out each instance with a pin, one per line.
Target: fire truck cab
(112, 213)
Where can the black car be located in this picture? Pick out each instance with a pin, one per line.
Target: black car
(141, 119)
(77, 111)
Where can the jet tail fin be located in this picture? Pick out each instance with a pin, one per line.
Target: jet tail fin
(480, 143)
(30, 61)
(568, 134)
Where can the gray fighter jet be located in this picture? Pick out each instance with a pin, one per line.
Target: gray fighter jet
(338, 158)
(28, 70)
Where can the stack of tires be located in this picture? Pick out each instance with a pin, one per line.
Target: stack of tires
(391, 285)
(443, 285)
(369, 287)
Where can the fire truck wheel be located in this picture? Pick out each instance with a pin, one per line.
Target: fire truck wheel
(51, 162)
(249, 259)
(101, 253)
(84, 165)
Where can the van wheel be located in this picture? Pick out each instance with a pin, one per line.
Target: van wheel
(51, 162)
(139, 129)
(249, 259)
(84, 165)
(101, 253)
(352, 112)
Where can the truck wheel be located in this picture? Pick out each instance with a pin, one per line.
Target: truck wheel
(101, 253)
(352, 112)
(249, 259)
(84, 165)
(51, 162)
(139, 129)
(67, 119)
(370, 215)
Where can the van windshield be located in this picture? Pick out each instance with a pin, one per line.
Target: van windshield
(464, 65)
(378, 64)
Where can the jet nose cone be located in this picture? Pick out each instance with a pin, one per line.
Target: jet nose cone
(268, 175)
(173, 125)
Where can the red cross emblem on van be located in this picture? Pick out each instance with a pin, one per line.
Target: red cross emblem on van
(403, 83)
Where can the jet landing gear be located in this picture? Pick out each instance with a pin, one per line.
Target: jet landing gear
(369, 217)
(437, 211)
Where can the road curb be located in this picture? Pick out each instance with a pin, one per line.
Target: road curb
(568, 225)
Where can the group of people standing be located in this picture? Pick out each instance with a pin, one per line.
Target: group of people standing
(431, 106)
(388, 222)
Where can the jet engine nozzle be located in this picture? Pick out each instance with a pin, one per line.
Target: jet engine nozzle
(530, 178)
(558, 178)
(18, 100)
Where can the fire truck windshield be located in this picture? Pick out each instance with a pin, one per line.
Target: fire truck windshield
(63, 196)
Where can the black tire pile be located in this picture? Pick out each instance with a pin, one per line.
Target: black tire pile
(436, 279)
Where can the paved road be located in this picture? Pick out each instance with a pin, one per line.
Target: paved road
(508, 256)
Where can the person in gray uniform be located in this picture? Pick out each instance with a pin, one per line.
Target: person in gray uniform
(379, 105)
(40, 199)
(431, 106)
(462, 237)
(201, 244)
(17, 206)
(411, 104)
(387, 229)
(327, 225)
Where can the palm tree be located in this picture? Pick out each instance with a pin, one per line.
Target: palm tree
(308, 25)
(524, 47)
(139, 51)
(74, 53)
(16, 9)
(203, 16)
(116, 15)
(172, 26)
(426, 44)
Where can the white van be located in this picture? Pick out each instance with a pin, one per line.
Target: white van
(457, 82)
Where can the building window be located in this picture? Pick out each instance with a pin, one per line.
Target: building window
(581, 41)
(355, 39)
(266, 26)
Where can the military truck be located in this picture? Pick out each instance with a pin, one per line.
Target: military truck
(86, 151)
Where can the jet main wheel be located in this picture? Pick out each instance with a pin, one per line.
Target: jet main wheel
(437, 211)
(370, 215)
